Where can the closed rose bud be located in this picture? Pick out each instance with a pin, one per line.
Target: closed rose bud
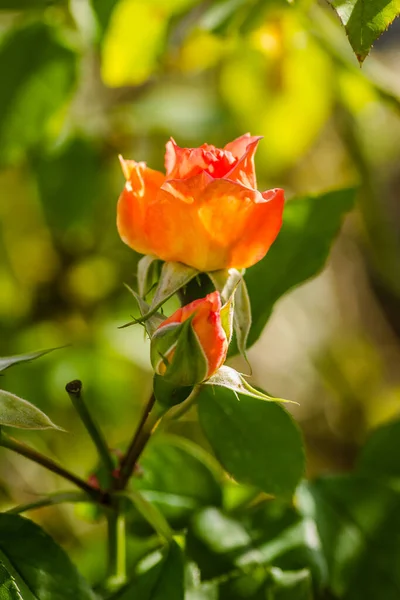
(191, 344)
(205, 212)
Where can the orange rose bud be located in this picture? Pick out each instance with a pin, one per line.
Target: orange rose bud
(205, 212)
(191, 345)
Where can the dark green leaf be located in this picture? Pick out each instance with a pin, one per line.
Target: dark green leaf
(40, 74)
(256, 442)
(300, 251)
(9, 361)
(380, 456)
(177, 478)
(16, 412)
(358, 524)
(163, 581)
(40, 567)
(8, 587)
(365, 21)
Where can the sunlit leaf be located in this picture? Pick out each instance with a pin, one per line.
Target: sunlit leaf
(256, 442)
(135, 39)
(8, 586)
(232, 380)
(365, 21)
(9, 361)
(40, 567)
(16, 412)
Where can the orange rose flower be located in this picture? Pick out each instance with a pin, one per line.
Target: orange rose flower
(186, 355)
(205, 212)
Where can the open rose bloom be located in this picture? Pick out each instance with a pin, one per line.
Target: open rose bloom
(205, 211)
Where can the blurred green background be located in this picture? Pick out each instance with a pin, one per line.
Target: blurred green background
(82, 82)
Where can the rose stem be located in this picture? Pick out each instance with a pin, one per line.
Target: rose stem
(24, 450)
(74, 391)
(140, 438)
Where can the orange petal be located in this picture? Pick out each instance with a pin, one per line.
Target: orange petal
(244, 170)
(141, 187)
(177, 234)
(239, 146)
(243, 221)
(263, 225)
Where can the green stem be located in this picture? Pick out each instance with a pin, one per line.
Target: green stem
(24, 450)
(147, 424)
(116, 550)
(74, 391)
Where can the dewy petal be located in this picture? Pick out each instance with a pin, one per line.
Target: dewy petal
(141, 187)
(244, 170)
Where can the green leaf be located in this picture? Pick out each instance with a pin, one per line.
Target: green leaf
(163, 581)
(231, 379)
(380, 457)
(310, 225)
(8, 587)
(290, 585)
(40, 74)
(256, 442)
(41, 568)
(16, 412)
(358, 524)
(365, 21)
(242, 317)
(162, 483)
(9, 361)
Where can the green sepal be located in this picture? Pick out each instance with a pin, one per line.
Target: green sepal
(151, 323)
(242, 317)
(227, 316)
(225, 282)
(231, 379)
(174, 276)
(231, 285)
(145, 270)
(188, 364)
(168, 394)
